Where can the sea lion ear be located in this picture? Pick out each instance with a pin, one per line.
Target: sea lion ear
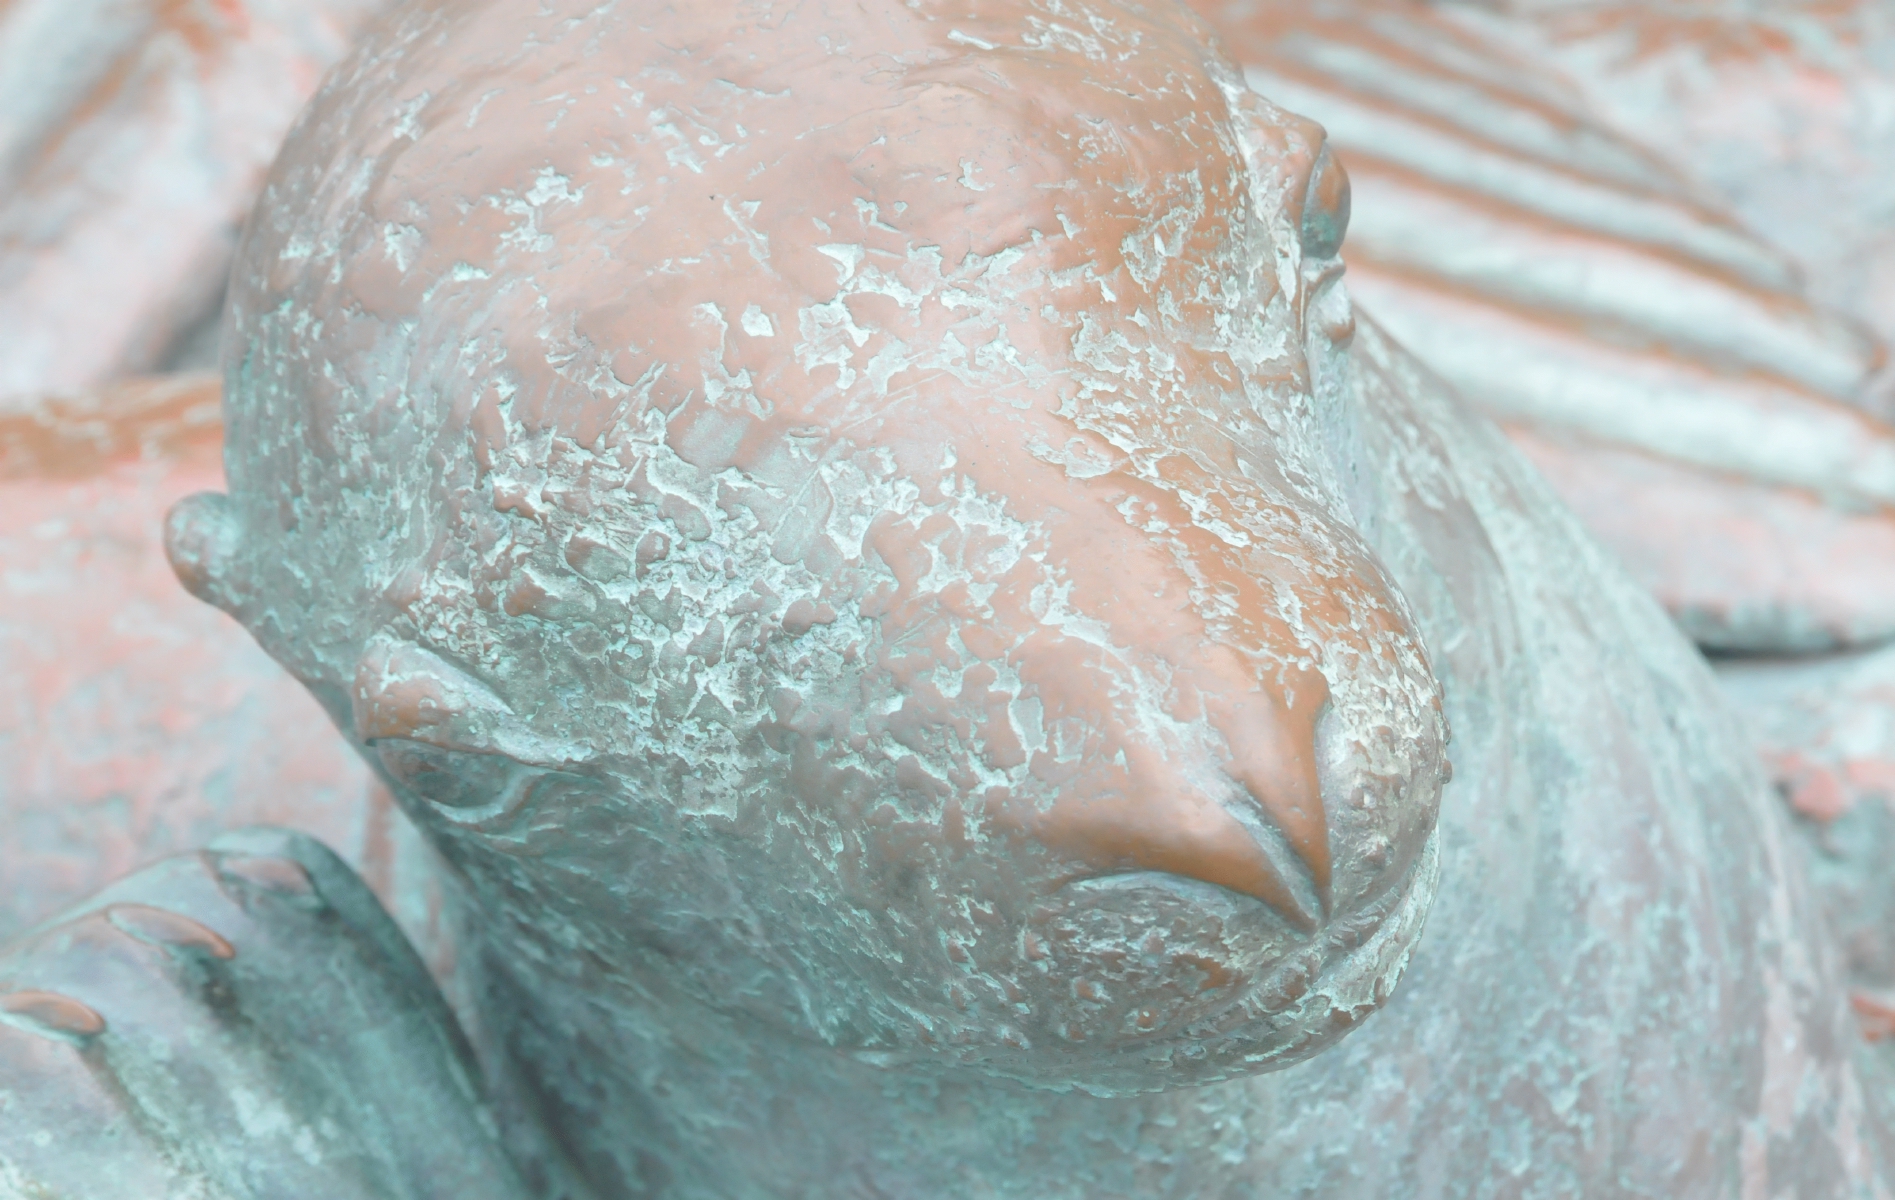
(201, 535)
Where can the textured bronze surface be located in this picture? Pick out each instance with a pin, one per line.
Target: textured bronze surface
(919, 621)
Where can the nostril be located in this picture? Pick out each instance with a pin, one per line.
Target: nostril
(1273, 756)
(1227, 794)
(1183, 834)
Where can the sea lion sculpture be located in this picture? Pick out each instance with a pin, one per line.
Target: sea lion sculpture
(872, 543)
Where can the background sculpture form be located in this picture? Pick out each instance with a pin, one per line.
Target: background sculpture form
(1588, 135)
(920, 632)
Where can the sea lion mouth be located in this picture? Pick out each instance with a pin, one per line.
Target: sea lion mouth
(1143, 981)
(1238, 990)
(1303, 1007)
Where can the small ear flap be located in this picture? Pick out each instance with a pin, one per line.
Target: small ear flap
(200, 539)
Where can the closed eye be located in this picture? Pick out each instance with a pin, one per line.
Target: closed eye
(1325, 208)
(470, 786)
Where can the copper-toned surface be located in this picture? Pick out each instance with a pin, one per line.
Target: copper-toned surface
(1540, 220)
(1650, 238)
(1826, 729)
(136, 721)
(174, 421)
(1012, 614)
(133, 137)
(161, 927)
(1734, 560)
(870, 539)
(834, 521)
(50, 1015)
(1785, 109)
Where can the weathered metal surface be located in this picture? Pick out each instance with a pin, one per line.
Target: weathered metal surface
(871, 543)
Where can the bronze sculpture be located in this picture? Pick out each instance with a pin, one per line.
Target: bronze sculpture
(917, 634)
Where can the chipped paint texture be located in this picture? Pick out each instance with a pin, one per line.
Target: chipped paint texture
(859, 534)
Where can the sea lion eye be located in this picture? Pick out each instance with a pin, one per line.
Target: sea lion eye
(465, 783)
(1325, 208)
(448, 778)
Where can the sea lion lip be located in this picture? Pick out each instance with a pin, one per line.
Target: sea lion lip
(1184, 887)
(1315, 992)
(1354, 980)
(1171, 952)
(1349, 978)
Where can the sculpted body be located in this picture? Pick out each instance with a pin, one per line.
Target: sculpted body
(861, 537)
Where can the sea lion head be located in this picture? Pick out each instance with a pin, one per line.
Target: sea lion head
(820, 509)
